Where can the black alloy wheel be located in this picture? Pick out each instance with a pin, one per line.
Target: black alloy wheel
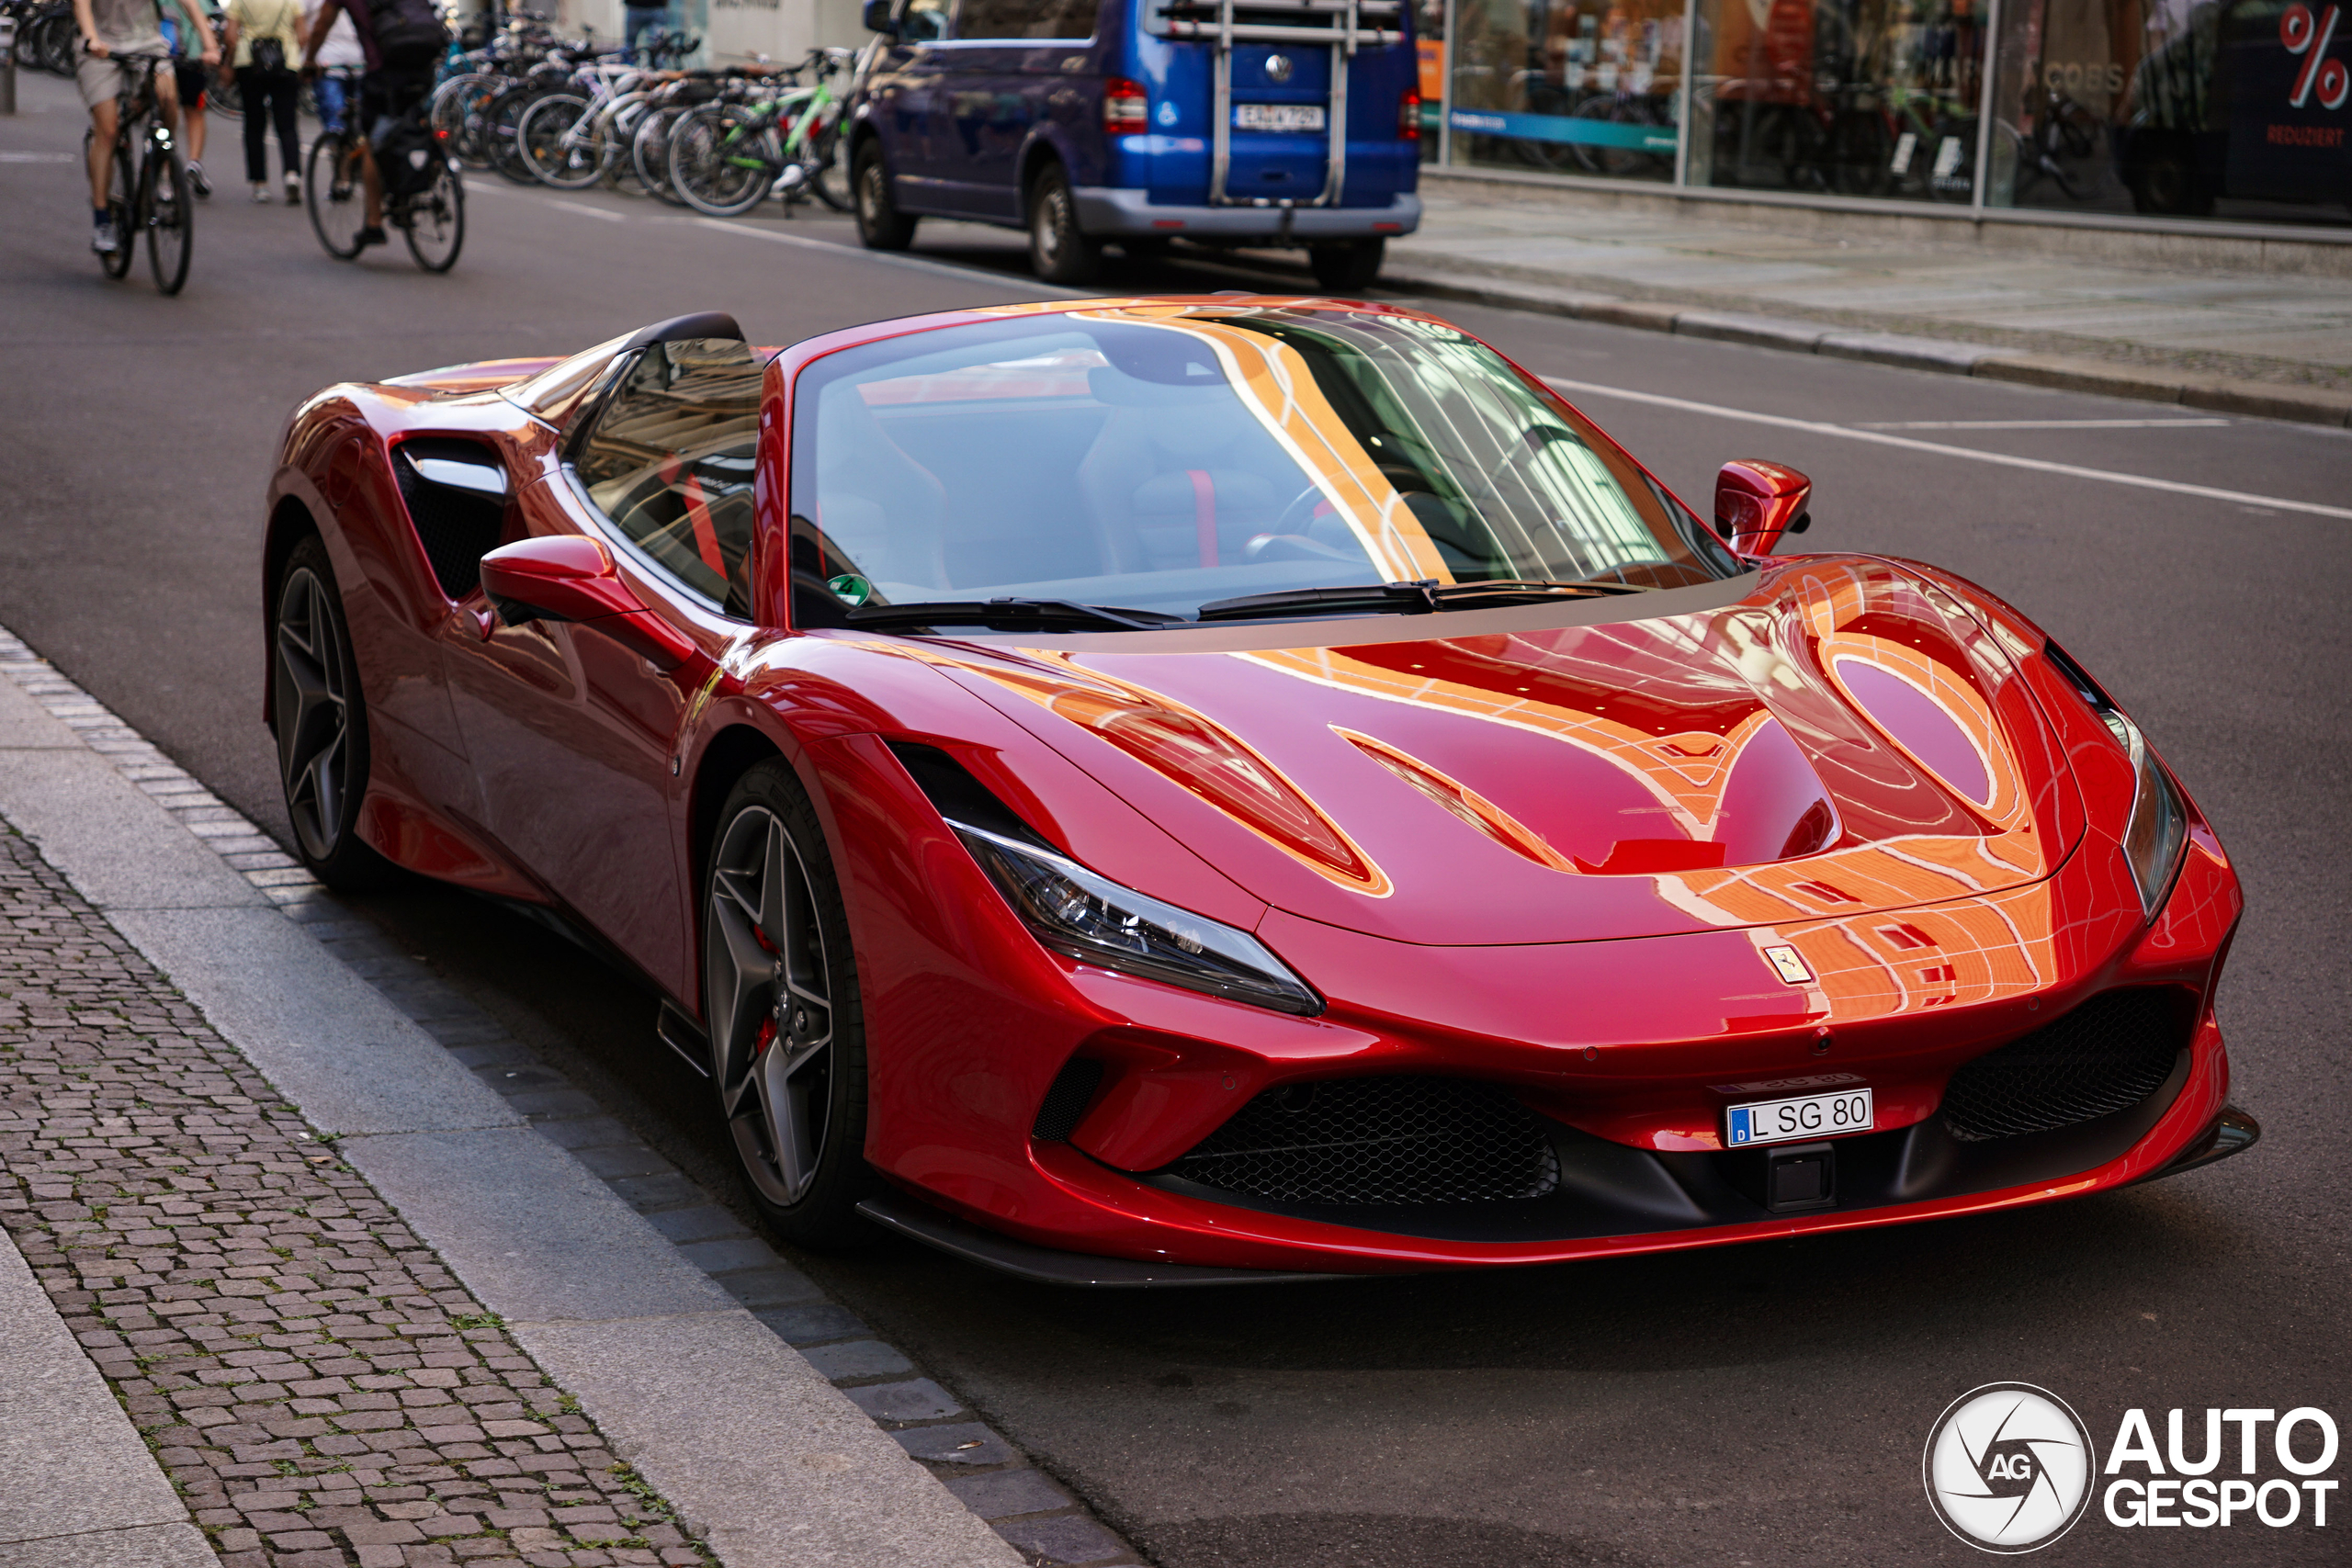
(1059, 252)
(781, 999)
(320, 717)
(1343, 269)
(880, 225)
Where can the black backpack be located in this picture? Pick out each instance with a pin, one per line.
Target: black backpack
(407, 32)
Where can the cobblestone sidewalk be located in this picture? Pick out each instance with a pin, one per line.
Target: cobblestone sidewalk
(319, 1388)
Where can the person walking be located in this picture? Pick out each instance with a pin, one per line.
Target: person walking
(264, 40)
(189, 33)
(341, 50)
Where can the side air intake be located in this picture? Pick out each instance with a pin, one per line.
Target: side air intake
(1066, 1100)
(2106, 1056)
(456, 496)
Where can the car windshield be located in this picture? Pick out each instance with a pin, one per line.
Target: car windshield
(1160, 457)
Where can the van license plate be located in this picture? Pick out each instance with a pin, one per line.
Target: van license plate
(1278, 116)
(1808, 1116)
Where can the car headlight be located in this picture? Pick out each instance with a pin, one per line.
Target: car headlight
(1094, 919)
(2159, 826)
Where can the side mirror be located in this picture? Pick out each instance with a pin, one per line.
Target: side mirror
(569, 577)
(876, 18)
(1756, 502)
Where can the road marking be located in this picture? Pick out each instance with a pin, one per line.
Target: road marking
(2037, 424)
(2003, 459)
(920, 263)
(40, 157)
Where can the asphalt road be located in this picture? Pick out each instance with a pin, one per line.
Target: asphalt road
(1761, 1405)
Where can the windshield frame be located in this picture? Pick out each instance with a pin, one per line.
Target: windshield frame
(1693, 545)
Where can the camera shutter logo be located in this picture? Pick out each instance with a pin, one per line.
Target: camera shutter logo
(2008, 1467)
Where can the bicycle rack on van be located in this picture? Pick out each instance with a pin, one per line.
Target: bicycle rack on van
(1341, 29)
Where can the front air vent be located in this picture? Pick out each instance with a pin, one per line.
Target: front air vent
(2106, 1055)
(1066, 1100)
(1378, 1140)
(447, 487)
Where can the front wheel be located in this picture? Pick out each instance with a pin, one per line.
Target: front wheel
(781, 998)
(880, 225)
(1346, 269)
(437, 220)
(556, 146)
(320, 717)
(718, 161)
(1059, 251)
(167, 211)
(333, 190)
(122, 204)
(829, 167)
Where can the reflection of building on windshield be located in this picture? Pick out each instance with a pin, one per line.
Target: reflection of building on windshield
(1159, 459)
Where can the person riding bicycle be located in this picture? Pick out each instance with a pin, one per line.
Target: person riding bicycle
(111, 27)
(403, 41)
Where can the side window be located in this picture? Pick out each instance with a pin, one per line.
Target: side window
(671, 461)
(1025, 19)
(924, 21)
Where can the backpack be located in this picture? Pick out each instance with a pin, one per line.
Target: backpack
(268, 56)
(406, 32)
(407, 154)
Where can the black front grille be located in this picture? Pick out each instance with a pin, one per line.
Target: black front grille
(456, 526)
(2106, 1055)
(1386, 1141)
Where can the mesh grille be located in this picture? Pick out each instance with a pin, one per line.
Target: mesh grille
(1066, 1100)
(1400, 1140)
(456, 527)
(2106, 1055)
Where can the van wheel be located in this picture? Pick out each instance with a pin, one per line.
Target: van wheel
(1343, 268)
(880, 225)
(1058, 251)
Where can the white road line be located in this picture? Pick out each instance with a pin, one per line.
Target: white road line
(40, 157)
(2036, 424)
(920, 263)
(2003, 459)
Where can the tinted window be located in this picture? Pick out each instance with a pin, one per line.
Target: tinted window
(670, 460)
(1025, 19)
(924, 21)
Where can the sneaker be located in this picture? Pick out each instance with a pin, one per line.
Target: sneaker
(261, 195)
(103, 238)
(203, 187)
(293, 191)
(366, 237)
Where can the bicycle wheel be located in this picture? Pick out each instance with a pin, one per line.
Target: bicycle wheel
(500, 144)
(556, 141)
(122, 201)
(648, 151)
(225, 99)
(333, 190)
(437, 220)
(718, 163)
(828, 166)
(167, 211)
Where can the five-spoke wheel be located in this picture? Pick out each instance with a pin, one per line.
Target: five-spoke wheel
(321, 718)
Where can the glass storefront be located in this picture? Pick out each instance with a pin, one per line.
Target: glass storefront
(2232, 109)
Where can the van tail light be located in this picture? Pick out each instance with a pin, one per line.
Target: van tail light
(1409, 116)
(1126, 107)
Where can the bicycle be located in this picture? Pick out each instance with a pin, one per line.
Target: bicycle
(150, 192)
(431, 220)
(726, 158)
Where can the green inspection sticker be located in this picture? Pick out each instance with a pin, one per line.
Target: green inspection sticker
(852, 589)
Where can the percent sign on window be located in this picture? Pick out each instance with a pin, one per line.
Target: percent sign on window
(2322, 77)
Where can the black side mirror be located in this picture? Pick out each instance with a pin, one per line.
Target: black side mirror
(876, 18)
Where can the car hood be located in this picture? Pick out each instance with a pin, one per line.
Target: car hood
(1826, 737)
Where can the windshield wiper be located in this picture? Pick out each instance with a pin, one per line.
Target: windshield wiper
(1007, 614)
(1404, 598)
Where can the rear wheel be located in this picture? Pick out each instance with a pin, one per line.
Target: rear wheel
(1059, 251)
(437, 220)
(880, 225)
(123, 203)
(499, 145)
(333, 191)
(718, 160)
(649, 151)
(555, 146)
(322, 722)
(781, 998)
(167, 210)
(1344, 268)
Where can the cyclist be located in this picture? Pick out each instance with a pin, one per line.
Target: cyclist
(403, 41)
(110, 28)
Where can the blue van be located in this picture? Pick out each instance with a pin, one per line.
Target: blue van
(1138, 122)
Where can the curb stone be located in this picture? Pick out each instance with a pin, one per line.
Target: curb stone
(1027, 1509)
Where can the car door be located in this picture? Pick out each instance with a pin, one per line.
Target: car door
(904, 93)
(573, 735)
(1005, 66)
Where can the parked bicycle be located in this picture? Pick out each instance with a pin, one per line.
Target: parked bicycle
(149, 192)
(726, 158)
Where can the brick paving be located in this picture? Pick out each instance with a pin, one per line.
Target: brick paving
(321, 1390)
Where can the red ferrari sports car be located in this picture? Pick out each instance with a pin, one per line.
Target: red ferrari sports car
(1200, 789)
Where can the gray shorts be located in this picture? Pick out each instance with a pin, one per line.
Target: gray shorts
(103, 81)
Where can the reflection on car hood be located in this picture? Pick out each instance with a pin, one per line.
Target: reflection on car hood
(1843, 737)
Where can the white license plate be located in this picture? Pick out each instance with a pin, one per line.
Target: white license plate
(1807, 1116)
(1278, 116)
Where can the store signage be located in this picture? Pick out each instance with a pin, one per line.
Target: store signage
(2309, 39)
(2288, 132)
(1564, 127)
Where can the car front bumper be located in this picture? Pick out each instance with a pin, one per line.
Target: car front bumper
(1113, 212)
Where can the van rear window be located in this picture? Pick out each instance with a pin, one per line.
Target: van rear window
(1026, 18)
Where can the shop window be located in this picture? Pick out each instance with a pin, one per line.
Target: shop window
(1575, 88)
